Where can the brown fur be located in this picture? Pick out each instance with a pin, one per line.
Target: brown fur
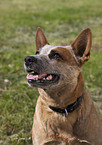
(81, 127)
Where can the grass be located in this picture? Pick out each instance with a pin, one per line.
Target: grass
(62, 21)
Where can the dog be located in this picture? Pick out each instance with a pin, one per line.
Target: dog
(65, 113)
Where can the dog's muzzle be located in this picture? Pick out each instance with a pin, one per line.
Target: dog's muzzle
(35, 77)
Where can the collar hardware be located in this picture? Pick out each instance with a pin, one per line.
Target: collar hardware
(70, 108)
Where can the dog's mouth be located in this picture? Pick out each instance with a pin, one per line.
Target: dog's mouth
(36, 79)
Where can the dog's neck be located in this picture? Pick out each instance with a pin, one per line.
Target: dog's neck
(68, 109)
(63, 97)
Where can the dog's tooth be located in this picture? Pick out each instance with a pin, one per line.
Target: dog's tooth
(35, 77)
(50, 77)
(47, 78)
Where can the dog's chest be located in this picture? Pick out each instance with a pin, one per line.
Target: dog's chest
(52, 125)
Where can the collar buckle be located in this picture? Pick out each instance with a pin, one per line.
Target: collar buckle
(66, 112)
(70, 108)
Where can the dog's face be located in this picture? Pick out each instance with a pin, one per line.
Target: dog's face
(51, 67)
(55, 66)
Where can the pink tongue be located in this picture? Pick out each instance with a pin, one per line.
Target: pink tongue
(32, 77)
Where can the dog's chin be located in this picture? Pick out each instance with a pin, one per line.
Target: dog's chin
(42, 80)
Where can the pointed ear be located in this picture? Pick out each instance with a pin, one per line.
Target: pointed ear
(82, 45)
(40, 39)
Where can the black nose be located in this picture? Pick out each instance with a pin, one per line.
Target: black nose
(30, 59)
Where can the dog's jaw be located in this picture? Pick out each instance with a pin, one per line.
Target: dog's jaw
(42, 80)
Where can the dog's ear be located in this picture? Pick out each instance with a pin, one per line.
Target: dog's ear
(82, 45)
(40, 39)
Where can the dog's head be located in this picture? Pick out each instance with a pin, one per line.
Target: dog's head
(55, 66)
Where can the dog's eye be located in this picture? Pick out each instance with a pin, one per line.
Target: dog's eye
(37, 52)
(55, 54)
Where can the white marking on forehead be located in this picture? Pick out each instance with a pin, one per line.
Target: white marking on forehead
(46, 49)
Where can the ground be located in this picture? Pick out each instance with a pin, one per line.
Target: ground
(61, 21)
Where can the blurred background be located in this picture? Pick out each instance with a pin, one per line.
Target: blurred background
(62, 21)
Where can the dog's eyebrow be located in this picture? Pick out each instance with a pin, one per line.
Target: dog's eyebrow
(55, 54)
(53, 51)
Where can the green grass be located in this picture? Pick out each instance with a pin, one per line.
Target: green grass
(62, 21)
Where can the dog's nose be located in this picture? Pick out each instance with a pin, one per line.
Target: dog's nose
(30, 59)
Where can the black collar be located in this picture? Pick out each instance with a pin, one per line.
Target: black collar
(70, 108)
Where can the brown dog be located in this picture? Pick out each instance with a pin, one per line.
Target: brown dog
(65, 114)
